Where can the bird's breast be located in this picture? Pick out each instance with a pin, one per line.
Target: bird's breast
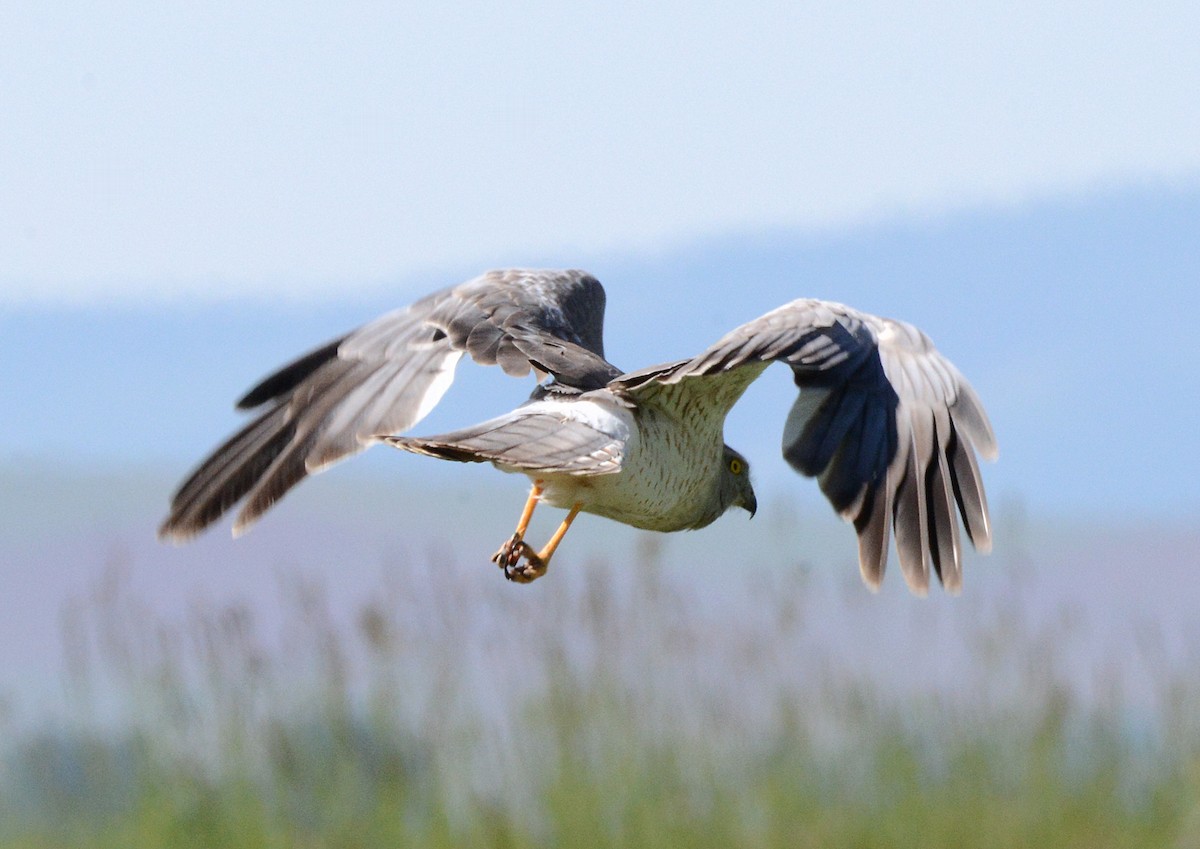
(667, 482)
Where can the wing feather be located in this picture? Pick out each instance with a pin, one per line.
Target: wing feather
(232, 471)
(910, 517)
(872, 525)
(887, 425)
(969, 493)
(946, 543)
(386, 376)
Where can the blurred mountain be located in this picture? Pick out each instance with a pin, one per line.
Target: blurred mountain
(1074, 319)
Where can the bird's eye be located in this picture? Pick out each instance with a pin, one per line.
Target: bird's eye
(736, 466)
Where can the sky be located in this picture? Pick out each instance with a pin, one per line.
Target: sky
(225, 150)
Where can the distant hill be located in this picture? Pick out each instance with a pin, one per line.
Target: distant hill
(1075, 320)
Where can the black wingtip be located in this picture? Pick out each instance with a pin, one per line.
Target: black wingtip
(290, 376)
(170, 533)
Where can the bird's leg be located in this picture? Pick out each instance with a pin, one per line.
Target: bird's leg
(537, 561)
(510, 552)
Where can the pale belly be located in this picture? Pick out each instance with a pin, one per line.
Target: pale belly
(667, 481)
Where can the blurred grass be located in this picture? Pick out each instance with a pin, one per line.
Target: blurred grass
(613, 709)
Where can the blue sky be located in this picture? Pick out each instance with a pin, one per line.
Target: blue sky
(218, 149)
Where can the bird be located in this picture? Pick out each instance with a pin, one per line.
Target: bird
(886, 424)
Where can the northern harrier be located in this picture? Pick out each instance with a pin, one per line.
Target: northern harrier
(886, 424)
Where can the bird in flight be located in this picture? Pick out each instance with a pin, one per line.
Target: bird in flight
(887, 425)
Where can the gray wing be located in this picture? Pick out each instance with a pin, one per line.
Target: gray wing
(389, 374)
(886, 423)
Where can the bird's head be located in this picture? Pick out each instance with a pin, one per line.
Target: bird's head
(735, 488)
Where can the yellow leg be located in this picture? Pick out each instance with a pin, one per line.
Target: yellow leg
(510, 553)
(548, 551)
(535, 492)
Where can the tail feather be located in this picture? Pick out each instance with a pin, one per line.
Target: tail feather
(530, 442)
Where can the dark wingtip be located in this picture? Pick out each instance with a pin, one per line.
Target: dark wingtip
(288, 377)
(172, 532)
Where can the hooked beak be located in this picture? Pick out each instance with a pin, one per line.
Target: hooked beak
(750, 504)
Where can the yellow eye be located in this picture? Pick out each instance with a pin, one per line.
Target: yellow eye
(736, 466)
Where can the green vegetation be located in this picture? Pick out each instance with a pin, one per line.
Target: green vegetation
(625, 713)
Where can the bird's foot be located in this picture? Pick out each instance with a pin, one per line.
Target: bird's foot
(509, 553)
(509, 558)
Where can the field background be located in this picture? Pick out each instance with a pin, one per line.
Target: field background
(355, 673)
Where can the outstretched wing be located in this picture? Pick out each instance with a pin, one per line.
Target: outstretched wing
(886, 423)
(389, 374)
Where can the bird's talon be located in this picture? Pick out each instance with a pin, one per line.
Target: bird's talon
(509, 554)
(509, 559)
